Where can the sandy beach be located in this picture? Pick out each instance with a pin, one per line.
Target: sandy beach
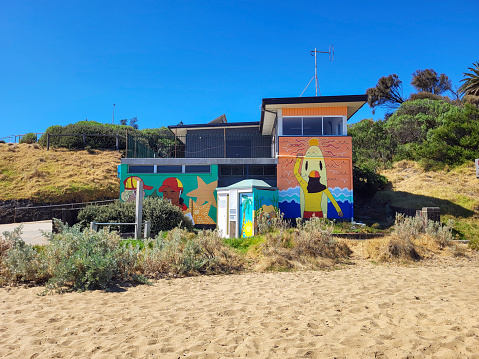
(361, 311)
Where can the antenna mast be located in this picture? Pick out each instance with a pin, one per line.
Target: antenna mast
(315, 77)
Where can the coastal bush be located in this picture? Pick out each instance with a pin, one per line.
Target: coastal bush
(311, 245)
(104, 135)
(266, 223)
(163, 215)
(82, 260)
(21, 262)
(180, 253)
(29, 138)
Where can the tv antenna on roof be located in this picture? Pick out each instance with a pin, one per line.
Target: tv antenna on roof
(315, 77)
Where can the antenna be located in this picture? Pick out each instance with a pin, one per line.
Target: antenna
(315, 77)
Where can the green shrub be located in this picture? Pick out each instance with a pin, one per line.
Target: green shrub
(28, 138)
(163, 215)
(82, 260)
(102, 135)
(366, 181)
(22, 262)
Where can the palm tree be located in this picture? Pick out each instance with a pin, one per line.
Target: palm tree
(246, 203)
(471, 81)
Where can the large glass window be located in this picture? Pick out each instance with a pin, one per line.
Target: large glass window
(312, 126)
(292, 126)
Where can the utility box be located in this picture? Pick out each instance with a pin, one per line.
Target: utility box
(240, 204)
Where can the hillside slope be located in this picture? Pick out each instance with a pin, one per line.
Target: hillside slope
(455, 192)
(58, 175)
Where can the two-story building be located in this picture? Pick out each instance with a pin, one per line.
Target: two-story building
(299, 152)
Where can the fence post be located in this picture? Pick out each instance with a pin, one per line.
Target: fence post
(117, 143)
(147, 229)
(93, 226)
(48, 141)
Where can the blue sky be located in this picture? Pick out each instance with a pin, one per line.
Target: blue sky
(170, 61)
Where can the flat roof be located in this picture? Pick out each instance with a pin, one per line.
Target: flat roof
(270, 106)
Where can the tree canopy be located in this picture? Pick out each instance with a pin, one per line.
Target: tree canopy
(387, 93)
(429, 81)
(471, 81)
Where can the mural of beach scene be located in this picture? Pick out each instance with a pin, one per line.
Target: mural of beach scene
(326, 160)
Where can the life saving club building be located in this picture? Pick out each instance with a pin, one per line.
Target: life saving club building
(296, 160)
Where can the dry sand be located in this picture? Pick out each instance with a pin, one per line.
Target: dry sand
(361, 311)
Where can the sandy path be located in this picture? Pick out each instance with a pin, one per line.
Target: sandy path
(362, 311)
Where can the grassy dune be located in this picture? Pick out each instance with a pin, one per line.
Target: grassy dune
(455, 191)
(30, 172)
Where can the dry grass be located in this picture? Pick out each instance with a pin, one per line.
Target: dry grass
(455, 191)
(59, 175)
(393, 249)
(310, 246)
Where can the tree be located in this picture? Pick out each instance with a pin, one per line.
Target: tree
(471, 81)
(429, 81)
(133, 122)
(387, 93)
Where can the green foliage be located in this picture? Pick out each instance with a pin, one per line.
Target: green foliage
(455, 141)
(23, 262)
(28, 138)
(471, 81)
(102, 139)
(409, 228)
(82, 260)
(373, 145)
(243, 245)
(366, 181)
(163, 215)
(432, 132)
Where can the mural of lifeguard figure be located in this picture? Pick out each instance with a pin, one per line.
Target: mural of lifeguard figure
(313, 180)
(172, 188)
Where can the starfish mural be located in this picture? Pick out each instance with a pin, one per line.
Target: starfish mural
(204, 192)
(200, 213)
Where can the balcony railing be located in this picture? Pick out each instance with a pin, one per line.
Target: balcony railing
(206, 146)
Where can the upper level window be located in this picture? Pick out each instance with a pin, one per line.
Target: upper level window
(141, 169)
(312, 126)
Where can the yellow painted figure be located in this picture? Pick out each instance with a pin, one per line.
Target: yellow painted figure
(313, 181)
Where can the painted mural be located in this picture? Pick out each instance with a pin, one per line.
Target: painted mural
(194, 194)
(246, 215)
(315, 177)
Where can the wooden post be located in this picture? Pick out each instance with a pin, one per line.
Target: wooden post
(48, 141)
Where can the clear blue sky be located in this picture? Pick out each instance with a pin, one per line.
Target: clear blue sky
(191, 61)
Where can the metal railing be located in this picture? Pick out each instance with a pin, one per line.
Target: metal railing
(195, 145)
